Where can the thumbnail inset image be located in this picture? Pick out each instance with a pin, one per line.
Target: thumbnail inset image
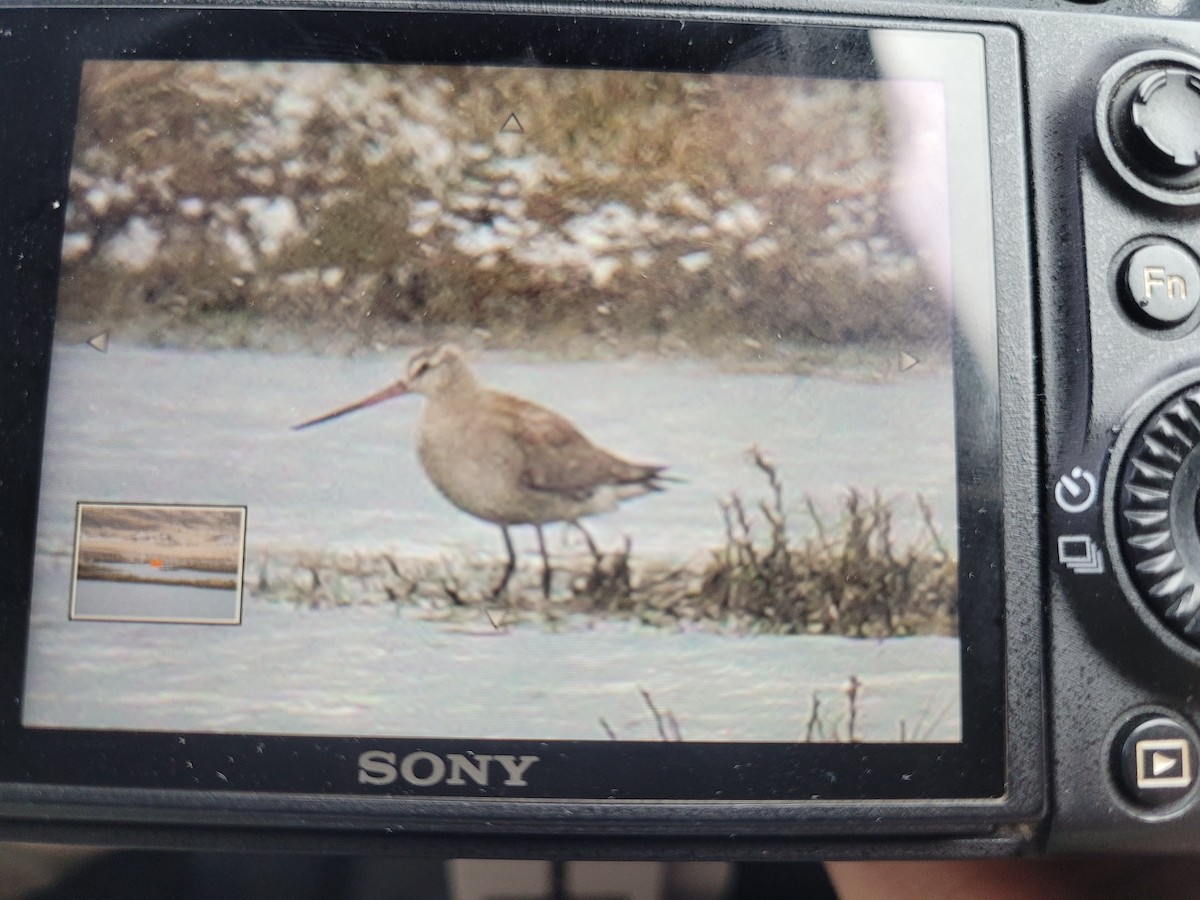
(151, 563)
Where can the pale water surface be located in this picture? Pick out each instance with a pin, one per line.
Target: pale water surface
(169, 426)
(368, 670)
(166, 602)
(164, 426)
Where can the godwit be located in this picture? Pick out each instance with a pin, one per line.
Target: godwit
(505, 460)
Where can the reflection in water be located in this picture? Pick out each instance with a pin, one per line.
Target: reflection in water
(155, 602)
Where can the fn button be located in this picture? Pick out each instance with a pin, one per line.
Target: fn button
(1161, 283)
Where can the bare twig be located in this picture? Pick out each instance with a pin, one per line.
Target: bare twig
(597, 556)
(451, 590)
(931, 527)
(673, 727)
(852, 693)
(658, 719)
(882, 514)
(814, 720)
(816, 517)
(774, 511)
(743, 522)
(927, 728)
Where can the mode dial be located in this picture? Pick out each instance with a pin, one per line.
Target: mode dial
(1158, 513)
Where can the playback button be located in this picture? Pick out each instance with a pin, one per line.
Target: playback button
(1156, 758)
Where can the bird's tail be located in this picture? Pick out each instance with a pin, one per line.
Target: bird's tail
(639, 478)
(661, 479)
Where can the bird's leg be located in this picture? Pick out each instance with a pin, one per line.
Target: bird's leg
(509, 567)
(545, 562)
(587, 537)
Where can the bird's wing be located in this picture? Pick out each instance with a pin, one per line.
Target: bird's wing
(557, 457)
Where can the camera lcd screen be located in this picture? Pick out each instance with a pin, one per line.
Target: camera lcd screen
(519, 402)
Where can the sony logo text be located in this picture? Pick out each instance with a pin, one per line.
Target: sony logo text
(424, 769)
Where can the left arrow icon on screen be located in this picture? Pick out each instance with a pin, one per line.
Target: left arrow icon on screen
(100, 342)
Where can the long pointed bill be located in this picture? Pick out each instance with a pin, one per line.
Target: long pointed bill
(392, 390)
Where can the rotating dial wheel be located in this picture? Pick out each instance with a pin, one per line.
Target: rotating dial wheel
(1158, 513)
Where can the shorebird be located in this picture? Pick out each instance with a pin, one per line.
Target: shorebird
(506, 460)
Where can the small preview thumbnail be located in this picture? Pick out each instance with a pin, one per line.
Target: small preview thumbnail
(158, 563)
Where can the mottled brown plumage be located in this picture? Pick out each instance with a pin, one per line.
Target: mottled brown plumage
(506, 460)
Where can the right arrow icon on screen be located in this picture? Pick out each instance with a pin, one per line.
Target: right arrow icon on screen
(907, 361)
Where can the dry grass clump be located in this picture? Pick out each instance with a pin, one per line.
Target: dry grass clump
(849, 579)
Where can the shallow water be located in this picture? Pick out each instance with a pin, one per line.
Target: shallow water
(169, 426)
(165, 602)
(164, 426)
(371, 671)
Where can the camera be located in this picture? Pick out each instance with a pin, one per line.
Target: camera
(612, 431)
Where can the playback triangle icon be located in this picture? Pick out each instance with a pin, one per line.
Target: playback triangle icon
(99, 342)
(512, 125)
(1161, 763)
(907, 361)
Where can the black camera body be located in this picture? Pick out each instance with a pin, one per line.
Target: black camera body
(938, 263)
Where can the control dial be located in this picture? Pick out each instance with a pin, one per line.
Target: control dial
(1148, 124)
(1158, 513)
(1164, 115)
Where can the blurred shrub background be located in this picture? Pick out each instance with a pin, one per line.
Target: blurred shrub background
(338, 208)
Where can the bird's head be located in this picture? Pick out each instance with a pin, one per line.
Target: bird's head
(431, 371)
(436, 370)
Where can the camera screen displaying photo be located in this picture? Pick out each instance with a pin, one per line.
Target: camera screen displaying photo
(516, 402)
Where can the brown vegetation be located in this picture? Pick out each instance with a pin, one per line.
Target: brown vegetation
(343, 207)
(849, 579)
